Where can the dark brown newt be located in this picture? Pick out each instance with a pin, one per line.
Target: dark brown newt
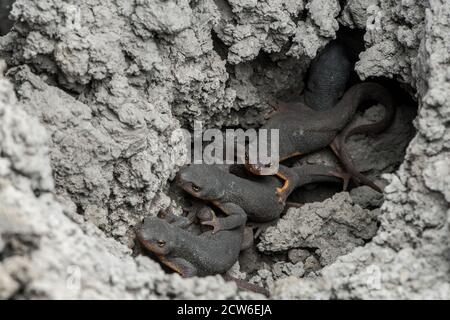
(192, 254)
(256, 196)
(303, 130)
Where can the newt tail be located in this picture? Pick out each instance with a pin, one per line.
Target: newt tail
(339, 147)
(247, 285)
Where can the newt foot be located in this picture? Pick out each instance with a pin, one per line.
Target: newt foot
(214, 222)
(281, 195)
(345, 178)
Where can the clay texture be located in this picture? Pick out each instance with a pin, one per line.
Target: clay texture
(91, 104)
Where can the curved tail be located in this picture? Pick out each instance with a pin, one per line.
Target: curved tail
(384, 97)
(247, 285)
(315, 173)
(296, 177)
(338, 117)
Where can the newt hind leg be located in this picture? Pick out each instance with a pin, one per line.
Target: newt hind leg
(345, 176)
(352, 172)
(289, 179)
(289, 183)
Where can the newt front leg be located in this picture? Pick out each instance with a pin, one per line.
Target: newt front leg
(236, 217)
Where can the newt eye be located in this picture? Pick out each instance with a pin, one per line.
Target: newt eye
(196, 188)
(161, 243)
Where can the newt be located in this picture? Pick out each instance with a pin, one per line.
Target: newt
(303, 130)
(255, 196)
(328, 76)
(191, 254)
(339, 147)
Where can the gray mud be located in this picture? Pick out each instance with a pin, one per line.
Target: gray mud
(92, 97)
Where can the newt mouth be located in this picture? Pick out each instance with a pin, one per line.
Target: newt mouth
(148, 245)
(186, 186)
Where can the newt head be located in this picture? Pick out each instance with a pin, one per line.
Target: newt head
(157, 236)
(202, 181)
